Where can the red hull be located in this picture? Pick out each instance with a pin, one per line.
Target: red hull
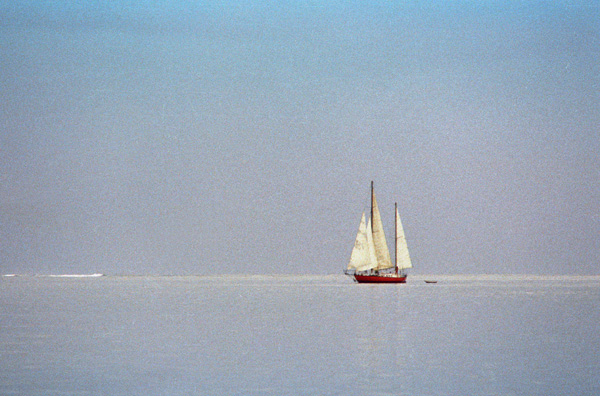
(380, 278)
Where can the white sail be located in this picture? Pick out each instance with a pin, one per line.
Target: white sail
(361, 260)
(402, 256)
(372, 256)
(381, 249)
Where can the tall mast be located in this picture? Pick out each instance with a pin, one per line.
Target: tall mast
(371, 221)
(396, 236)
(372, 192)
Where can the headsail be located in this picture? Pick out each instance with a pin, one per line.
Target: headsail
(381, 249)
(402, 256)
(360, 260)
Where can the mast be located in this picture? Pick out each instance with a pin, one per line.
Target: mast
(396, 236)
(371, 220)
(372, 193)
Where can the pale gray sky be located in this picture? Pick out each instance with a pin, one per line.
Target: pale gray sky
(150, 137)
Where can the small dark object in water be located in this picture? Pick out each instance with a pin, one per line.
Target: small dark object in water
(430, 281)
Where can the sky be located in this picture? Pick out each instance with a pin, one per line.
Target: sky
(187, 137)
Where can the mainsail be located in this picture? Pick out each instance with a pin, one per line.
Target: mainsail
(381, 250)
(372, 257)
(402, 256)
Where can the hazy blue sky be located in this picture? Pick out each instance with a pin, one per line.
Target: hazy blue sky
(182, 137)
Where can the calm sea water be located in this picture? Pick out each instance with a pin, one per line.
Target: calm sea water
(299, 335)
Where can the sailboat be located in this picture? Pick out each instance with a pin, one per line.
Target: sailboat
(370, 260)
